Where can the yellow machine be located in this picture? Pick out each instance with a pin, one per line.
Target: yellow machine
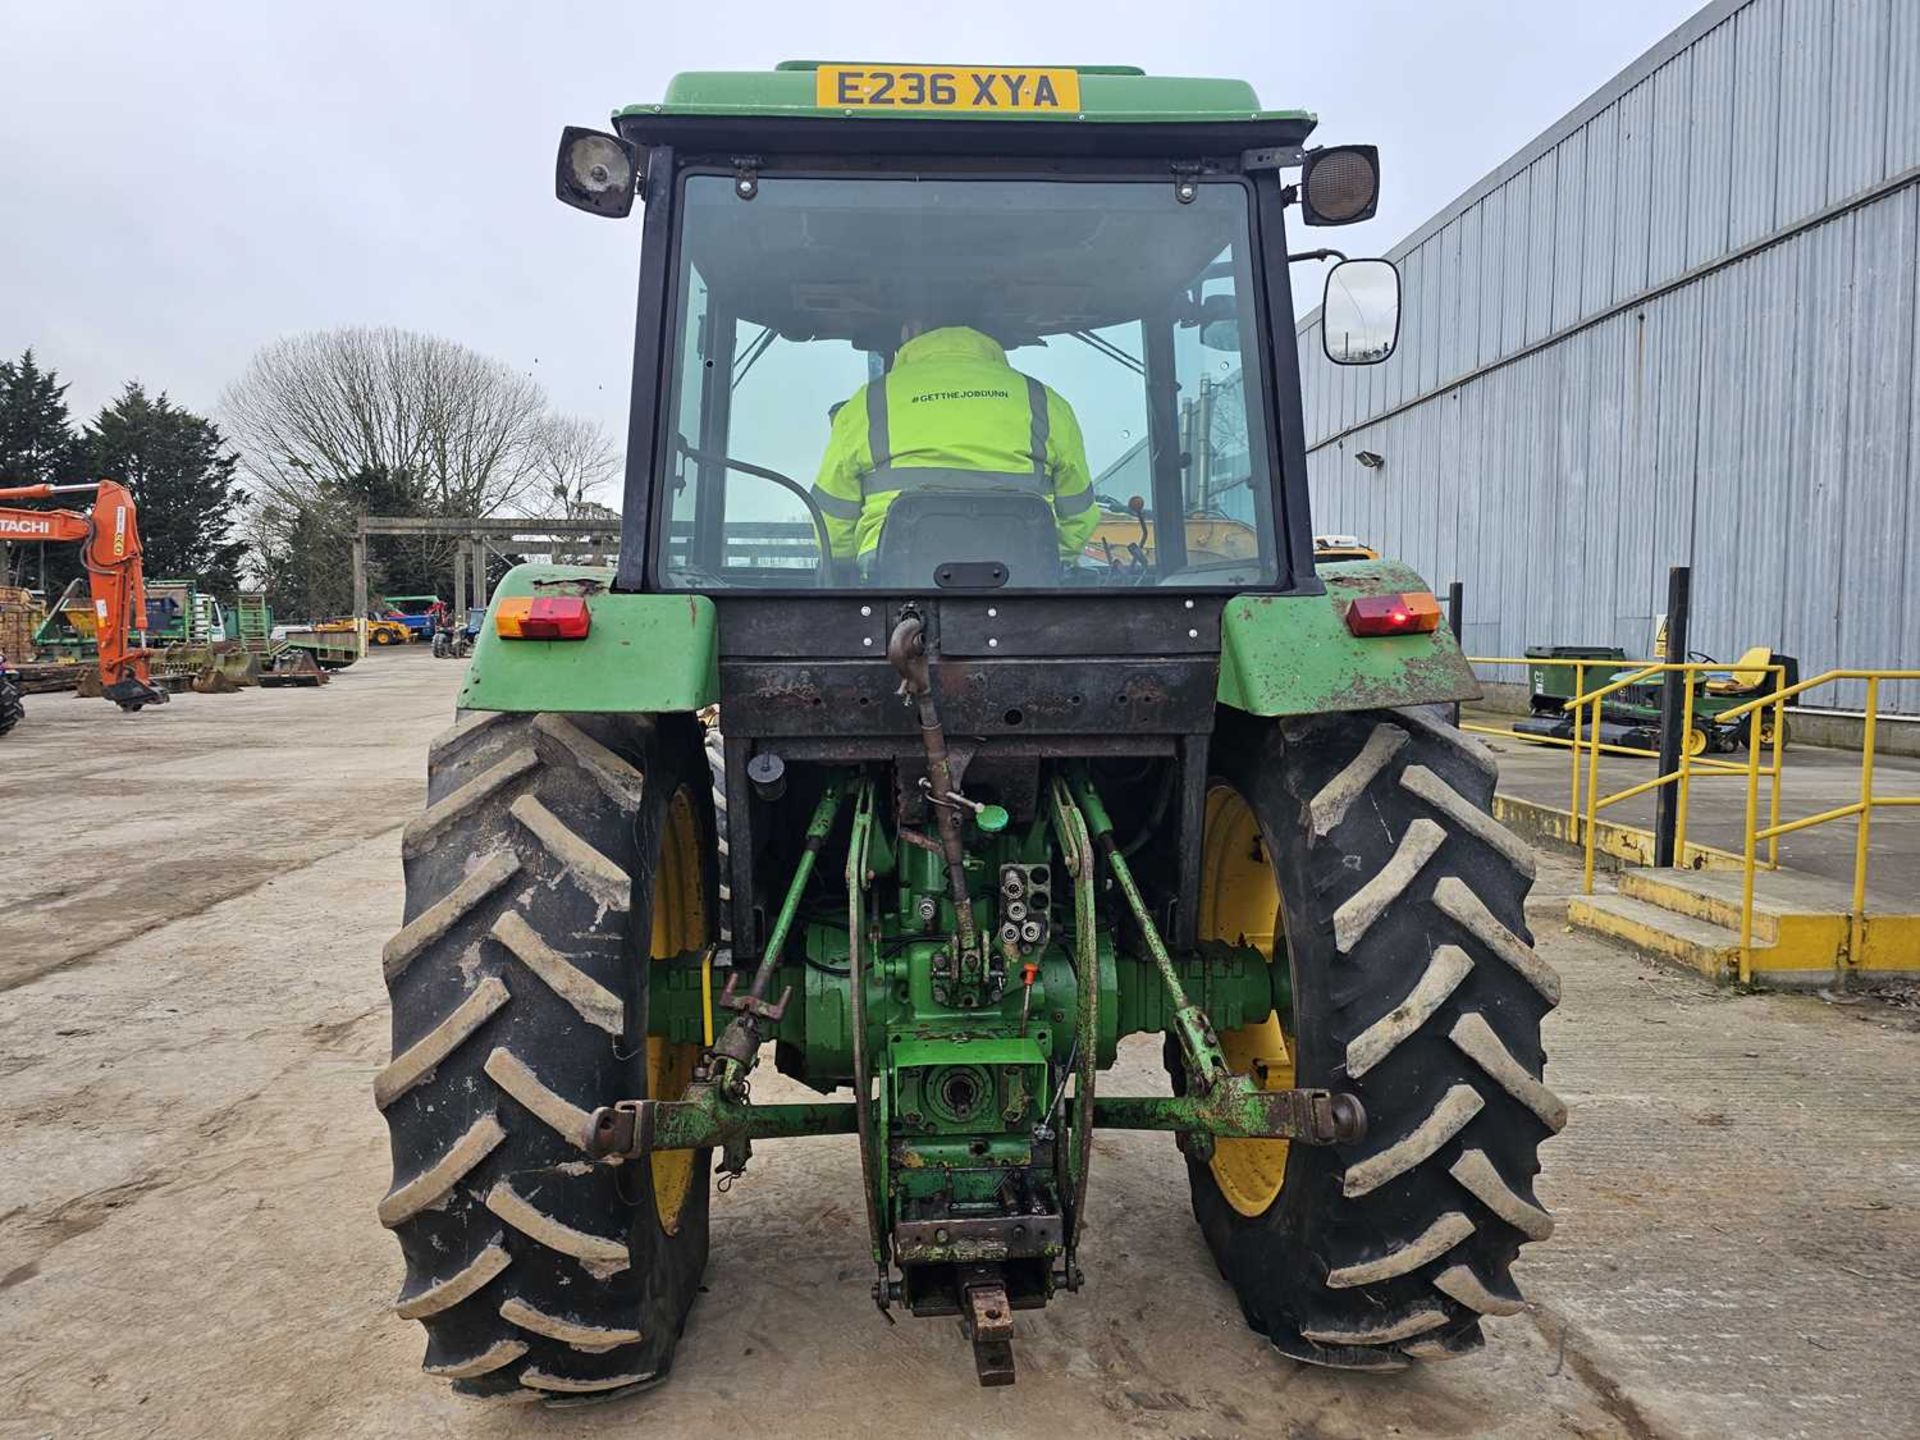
(1342, 547)
(1210, 538)
(379, 632)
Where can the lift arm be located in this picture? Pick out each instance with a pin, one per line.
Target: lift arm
(109, 537)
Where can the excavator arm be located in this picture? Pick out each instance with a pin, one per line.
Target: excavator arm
(109, 536)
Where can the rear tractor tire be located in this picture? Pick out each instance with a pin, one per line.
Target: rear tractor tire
(1364, 840)
(556, 854)
(12, 708)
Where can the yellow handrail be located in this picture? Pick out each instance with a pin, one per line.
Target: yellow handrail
(1862, 809)
(1579, 665)
(1585, 712)
(1824, 678)
(1620, 682)
(1623, 672)
(1682, 778)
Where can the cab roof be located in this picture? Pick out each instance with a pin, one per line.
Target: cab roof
(1108, 93)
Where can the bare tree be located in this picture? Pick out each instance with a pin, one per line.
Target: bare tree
(348, 422)
(466, 430)
(575, 461)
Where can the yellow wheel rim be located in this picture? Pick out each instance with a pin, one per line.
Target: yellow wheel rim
(679, 925)
(1696, 741)
(1240, 904)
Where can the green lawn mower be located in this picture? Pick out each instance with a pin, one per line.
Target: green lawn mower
(1631, 715)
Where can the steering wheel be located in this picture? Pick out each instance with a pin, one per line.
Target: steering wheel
(824, 571)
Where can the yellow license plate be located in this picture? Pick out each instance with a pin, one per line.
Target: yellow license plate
(946, 87)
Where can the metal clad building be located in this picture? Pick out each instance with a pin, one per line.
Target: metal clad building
(1678, 328)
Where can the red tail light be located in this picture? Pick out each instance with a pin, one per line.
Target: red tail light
(550, 617)
(1415, 612)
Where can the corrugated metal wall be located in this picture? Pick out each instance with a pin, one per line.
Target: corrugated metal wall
(1679, 328)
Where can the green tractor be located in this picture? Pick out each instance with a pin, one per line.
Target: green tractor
(935, 825)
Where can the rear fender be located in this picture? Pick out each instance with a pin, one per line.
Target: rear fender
(1293, 654)
(642, 654)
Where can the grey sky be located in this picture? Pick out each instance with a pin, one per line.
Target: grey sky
(184, 182)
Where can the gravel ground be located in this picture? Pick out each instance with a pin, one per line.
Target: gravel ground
(191, 1014)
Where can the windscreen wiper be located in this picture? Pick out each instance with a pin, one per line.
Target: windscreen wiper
(1109, 349)
(756, 347)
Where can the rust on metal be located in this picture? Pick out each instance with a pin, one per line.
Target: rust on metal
(973, 1240)
(581, 585)
(988, 1317)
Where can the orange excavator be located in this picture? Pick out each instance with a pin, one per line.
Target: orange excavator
(110, 541)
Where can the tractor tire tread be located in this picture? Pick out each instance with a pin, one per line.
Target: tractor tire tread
(1416, 988)
(526, 1263)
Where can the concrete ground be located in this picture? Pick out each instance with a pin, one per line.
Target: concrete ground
(1815, 779)
(191, 910)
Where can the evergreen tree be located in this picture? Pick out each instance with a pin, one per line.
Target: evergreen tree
(37, 447)
(182, 478)
(36, 438)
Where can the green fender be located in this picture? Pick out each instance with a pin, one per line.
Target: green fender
(643, 653)
(1293, 654)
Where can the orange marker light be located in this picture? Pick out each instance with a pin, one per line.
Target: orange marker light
(549, 617)
(1415, 612)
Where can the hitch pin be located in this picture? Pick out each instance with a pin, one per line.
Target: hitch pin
(953, 798)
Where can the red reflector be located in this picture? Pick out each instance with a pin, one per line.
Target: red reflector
(1414, 613)
(557, 617)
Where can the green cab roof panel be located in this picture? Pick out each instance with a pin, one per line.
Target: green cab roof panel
(1107, 93)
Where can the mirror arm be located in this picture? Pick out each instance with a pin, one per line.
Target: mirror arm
(1322, 254)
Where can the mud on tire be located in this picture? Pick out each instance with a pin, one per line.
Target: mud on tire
(1415, 987)
(530, 917)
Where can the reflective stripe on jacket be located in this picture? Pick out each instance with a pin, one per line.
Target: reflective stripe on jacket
(952, 414)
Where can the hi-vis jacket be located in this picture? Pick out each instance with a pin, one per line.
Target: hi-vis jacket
(952, 414)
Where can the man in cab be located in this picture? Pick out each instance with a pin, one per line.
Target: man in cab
(951, 414)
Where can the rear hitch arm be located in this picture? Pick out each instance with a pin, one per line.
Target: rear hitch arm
(1218, 1104)
(707, 1117)
(1200, 1049)
(739, 1043)
(1237, 1109)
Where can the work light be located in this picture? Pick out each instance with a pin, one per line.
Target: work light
(596, 172)
(1339, 185)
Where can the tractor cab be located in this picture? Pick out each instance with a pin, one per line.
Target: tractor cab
(1111, 243)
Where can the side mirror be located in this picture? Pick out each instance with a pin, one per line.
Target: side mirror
(1218, 317)
(1340, 185)
(1360, 313)
(597, 173)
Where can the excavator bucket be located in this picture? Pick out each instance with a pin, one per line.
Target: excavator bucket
(210, 679)
(226, 671)
(293, 666)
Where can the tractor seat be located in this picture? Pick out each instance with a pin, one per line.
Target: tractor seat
(1747, 676)
(976, 538)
